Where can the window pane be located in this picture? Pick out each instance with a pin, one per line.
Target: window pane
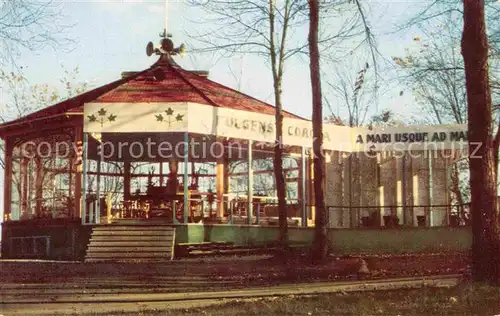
(144, 168)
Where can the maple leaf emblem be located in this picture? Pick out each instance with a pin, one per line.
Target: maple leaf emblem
(169, 111)
(101, 117)
(102, 112)
(169, 117)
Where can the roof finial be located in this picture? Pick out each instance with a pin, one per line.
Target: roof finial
(166, 44)
(166, 19)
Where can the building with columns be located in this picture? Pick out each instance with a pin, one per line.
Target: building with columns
(169, 149)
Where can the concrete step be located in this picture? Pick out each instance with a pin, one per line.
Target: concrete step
(129, 260)
(142, 232)
(132, 227)
(112, 238)
(141, 254)
(148, 222)
(129, 243)
(116, 249)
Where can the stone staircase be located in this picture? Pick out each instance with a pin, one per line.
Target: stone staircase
(131, 243)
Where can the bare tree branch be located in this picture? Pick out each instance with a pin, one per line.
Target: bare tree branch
(30, 25)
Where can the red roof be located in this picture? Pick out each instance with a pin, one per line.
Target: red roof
(174, 84)
(165, 81)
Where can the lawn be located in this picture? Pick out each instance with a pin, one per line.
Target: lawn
(466, 299)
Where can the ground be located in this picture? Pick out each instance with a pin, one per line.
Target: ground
(232, 272)
(467, 299)
(133, 284)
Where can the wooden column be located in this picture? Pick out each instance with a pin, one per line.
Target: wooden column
(302, 186)
(78, 174)
(219, 185)
(126, 180)
(38, 185)
(186, 177)
(7, 185)
(222, 178)
(23, 175)
(97, 210)
(310, 187)
(84, 179)
(250, 182)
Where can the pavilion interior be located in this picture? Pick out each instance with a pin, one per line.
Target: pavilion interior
(130, 173)
(46, 181)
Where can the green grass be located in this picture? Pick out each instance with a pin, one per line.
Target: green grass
(467, 299)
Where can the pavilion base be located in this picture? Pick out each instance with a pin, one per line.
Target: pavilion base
(54, 239)
(59, 239)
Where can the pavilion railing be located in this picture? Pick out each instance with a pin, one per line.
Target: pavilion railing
(392, 216)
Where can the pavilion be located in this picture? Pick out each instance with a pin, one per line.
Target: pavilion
(170, 146)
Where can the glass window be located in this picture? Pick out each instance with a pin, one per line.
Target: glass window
(43, 178)
(144, 168)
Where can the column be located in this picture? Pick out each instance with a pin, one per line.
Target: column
(334, 191)
(39, 185)
(78, 173)
(84, 178)
(347, 194)
(355, 169)
(388, 186)
(440, 191)
(7, 185)
(369, 189)
(250, 183)
(185, 178)
(310, 188)
(97, 208)
(302, 186)
(407, 190)
(126, 180)
(399, 161)
(219, 186)
(24, 187)
(421, 197)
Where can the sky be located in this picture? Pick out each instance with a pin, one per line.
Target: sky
(110, 37)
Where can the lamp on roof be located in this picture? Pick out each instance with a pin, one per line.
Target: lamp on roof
(166, 46)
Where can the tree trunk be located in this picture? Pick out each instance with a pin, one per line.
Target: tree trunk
(320, 246)
(277, 69)
(485, 224)
(278, 171)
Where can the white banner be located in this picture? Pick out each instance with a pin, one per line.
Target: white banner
(135, 117)
(209, 120)
(404, 138)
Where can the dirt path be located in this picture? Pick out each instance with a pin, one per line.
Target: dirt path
(69, 303)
